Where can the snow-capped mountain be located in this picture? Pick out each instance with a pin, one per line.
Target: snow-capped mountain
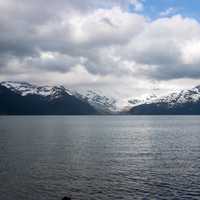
(143, 100)
(25, 99)
(100, 102)
(32, 99)
(184, 96)
(183, 102)
(25, 89)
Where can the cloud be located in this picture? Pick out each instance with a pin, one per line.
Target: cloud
(168, 48)
(101, 38)
(74, 39)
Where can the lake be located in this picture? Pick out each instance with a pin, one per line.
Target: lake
(99, 157)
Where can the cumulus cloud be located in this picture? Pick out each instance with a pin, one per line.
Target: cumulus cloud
(168, 47)
(99, 38)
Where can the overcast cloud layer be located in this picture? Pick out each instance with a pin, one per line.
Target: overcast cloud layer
(108, 45)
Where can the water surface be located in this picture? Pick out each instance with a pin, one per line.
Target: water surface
(99, 157)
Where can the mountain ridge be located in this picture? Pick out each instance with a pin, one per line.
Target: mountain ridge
(26, 99)
(100, 103)
(33, 99)
(185, 102)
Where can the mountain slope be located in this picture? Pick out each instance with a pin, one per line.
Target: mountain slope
(26, 99)
(105, 105)
(186, 102)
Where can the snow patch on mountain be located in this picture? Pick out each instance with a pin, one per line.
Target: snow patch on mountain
(185, 96)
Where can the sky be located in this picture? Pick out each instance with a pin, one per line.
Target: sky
(123, 48)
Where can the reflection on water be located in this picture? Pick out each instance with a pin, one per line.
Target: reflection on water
(100, 157)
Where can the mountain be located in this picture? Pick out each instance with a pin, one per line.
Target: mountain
(186, 102)
(19, 98)
(25, 89)
(144, 100)
(104, 105)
